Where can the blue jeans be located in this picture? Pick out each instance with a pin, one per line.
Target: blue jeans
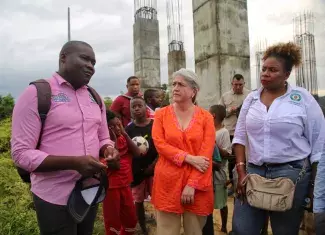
(320, 223)
(248, 220)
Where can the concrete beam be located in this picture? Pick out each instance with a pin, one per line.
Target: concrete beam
(176, 61)
(221, 46)
(147, 52)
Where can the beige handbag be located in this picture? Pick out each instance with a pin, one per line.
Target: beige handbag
(271, 194)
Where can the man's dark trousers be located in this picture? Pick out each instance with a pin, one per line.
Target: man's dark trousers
(56, 220)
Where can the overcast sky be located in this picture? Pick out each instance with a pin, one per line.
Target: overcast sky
(32, 33)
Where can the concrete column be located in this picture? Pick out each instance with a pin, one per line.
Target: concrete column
(176, 61)
(221, 46)
(147, 52)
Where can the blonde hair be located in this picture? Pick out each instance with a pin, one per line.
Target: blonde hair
(190, 77)
(289, 52)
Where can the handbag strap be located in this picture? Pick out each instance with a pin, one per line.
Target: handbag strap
(303, 171)
(300, 176)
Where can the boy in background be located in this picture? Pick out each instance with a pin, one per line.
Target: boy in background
(118, 207)
(142, 168)
(153, 99)
(220, 176)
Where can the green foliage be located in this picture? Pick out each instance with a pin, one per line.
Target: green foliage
(99, 228)
(108, 102)
(164, 87)
(17, 216)
(5, 127)
(165, 99)
(6, 106)
(165, 94)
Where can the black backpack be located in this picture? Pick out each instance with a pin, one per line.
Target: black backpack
(44, 95)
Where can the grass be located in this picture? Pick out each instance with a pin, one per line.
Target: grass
(17, 216)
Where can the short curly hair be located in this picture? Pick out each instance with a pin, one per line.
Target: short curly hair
(289, 52)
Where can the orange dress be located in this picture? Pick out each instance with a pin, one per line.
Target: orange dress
(172, 174)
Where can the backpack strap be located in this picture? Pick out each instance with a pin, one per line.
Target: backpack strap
(126, 96)
(96, 96)
(44, 94)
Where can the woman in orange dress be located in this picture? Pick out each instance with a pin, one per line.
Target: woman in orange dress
(184, 136)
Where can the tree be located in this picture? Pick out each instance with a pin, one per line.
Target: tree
(164, 87)
(165, 95)
(6, 106)
(108, 102)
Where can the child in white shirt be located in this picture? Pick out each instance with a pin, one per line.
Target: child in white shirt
(220, 175)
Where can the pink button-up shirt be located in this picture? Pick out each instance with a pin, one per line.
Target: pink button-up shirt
(75, 126)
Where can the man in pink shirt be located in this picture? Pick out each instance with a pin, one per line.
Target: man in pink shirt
(75, 134)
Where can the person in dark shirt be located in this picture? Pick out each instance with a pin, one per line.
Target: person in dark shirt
(153, 100)
(143, 167)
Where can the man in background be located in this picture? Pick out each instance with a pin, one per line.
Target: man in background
(232, 101)
(121, 105)
(153, 99)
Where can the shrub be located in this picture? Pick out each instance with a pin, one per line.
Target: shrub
(6, 106)
(5, 133)
(16, 215)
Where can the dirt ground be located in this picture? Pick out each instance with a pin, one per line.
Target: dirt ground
(217, 221)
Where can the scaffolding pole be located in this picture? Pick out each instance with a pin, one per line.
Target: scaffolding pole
(306, 74)
(175, 25)
(69, 30)
(145, 9)
(260, 50)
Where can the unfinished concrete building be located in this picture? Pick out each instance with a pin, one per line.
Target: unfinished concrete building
(176, 53)
(221, 46)
(259, 53)
(306, 74)
(146, 43)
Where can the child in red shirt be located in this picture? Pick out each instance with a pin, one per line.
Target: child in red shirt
(118, 207)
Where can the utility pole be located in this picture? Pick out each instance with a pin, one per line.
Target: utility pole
(69, 32)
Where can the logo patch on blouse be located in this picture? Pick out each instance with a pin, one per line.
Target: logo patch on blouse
(61, 97)
(295, 97)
